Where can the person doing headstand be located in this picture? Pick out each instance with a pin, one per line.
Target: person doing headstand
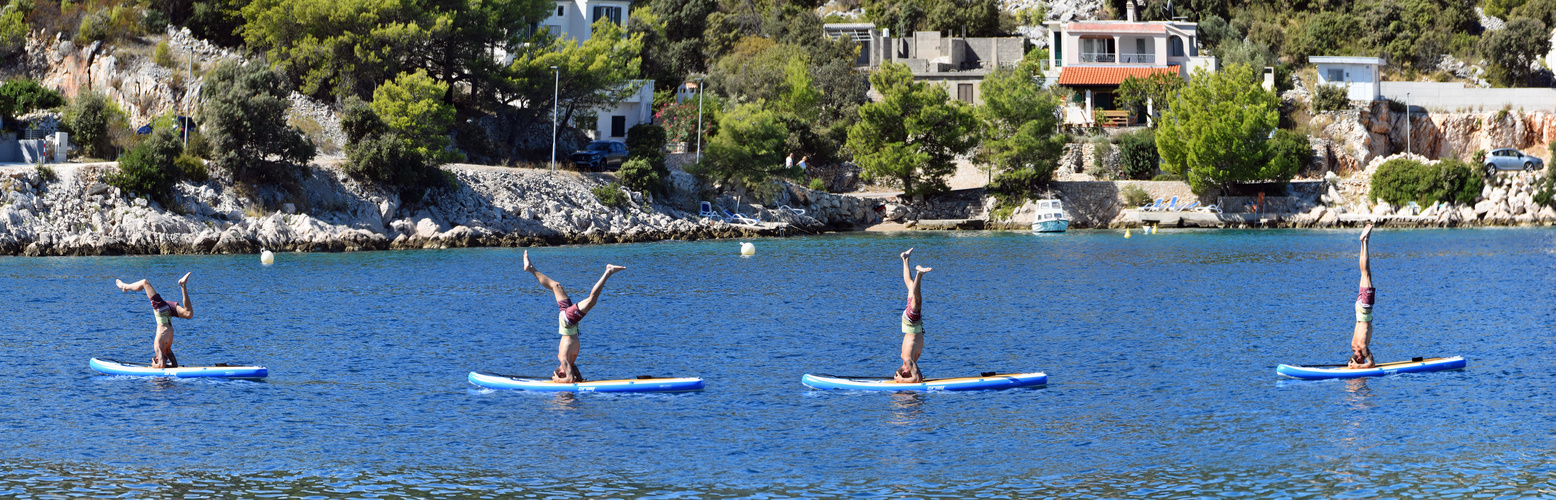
(164, 312)
(567, 320)
(1361, 354)
(912, 324)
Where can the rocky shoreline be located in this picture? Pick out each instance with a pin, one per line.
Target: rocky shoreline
(326, 211)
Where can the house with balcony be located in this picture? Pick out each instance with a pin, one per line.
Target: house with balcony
(956, 64)
(1091, 58)
(574, 19)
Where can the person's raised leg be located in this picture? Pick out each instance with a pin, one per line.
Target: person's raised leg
(1366, 270)
(599, 286)
(548, 283)
(141, 285)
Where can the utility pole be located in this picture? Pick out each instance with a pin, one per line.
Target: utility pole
(555, 93)
(700, 91)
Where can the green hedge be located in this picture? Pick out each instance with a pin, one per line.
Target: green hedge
(1400, 180)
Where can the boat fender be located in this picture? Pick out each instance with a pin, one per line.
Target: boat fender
(1417, 359)
(747, 249)
(644, 377)
(988, 374)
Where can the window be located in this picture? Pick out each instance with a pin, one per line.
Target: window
(964, 92)
(612, 13)
(1336, 75)
(1097, 50)
(618, 126)
(1175, 46)
(561, 10)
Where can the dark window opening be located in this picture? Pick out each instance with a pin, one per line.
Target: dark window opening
(618, 126)
(964, 92)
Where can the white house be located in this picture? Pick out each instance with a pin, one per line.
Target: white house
(1093, 57)
(1361, 76)
(573, 19)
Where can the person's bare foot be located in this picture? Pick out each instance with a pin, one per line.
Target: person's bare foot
(1366, 232)
(907, 253)
(528, 267)
(922, 269)
(613, 269)
(123, 287)
(184, 281)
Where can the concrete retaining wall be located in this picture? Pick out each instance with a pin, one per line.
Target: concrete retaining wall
(1455, 97)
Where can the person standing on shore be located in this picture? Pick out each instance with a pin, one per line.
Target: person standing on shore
(567, 320)
(788, 161)
(162, 346)
(912, 324)
(1361, 353)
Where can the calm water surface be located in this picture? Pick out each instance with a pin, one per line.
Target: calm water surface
(1160, 351)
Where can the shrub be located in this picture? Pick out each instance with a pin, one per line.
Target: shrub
(1134, 196)
(46, 173)
(1017, 184)
(1137, 151)
(646, 174)
(192, 168)
(1479, 158)
(610, 195)
(1400, 180)
(1545, 193)
(1167, 177)
(1327, 97)
(150, 168)
(818, 185)
(153, 21)
(13, 29)
(1100, 151)
(245, 121)
(162, 55)
(90, 119)
(646, 140)
(108, 25)
(22, 95)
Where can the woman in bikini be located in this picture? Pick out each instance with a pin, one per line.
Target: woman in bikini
(568, 318)
(164, 312)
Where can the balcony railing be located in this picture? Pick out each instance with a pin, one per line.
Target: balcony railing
(1107, 57)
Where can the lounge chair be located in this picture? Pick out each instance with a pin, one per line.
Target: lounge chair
(1209, 209)
(795, 211)
(706, 211)
(1189, 207)
(740, 219)
(1151, 207)
(1170, 206)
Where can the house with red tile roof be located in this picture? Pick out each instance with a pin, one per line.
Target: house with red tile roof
(1092, 58)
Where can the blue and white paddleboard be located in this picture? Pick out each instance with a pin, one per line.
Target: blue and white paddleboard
(1412, 366)
(497, 381)
(992, 381)
(112, 367)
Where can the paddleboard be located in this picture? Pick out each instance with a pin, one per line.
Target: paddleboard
(979, 383)
(112, 367)
(1413, 366)
(499, 381)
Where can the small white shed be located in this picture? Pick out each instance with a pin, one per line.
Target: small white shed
(1362, 76)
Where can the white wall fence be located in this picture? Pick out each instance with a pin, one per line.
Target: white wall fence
(1454, 97)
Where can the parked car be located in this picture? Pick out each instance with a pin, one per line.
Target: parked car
(600, 155)
(1511, 159)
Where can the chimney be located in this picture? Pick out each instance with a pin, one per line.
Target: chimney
(1129, 9)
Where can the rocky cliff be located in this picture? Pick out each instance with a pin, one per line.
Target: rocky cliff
(75, 213)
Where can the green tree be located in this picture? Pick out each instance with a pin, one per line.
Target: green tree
(1540, 10)
(219, 21)
(1158, 89)
(411, 107)
(748, 148)
(244, 121)
(592, 74)
(13, 28)
(913, 135)
(90, 119)
(1289, 153)
(1214, 134)
(150, 167)
(645, 168)
(1513, 51)
(1020, 128)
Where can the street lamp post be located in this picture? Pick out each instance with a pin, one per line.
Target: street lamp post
(700, 91)
(1408, 149)
(556, 92)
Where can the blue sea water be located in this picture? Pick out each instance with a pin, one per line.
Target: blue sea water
(1160, 350)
